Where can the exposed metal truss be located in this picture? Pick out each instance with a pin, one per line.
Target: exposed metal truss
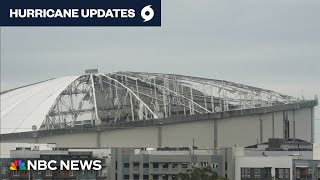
(97, 99)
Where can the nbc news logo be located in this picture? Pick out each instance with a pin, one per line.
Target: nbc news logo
(73, 165)
(18, 165)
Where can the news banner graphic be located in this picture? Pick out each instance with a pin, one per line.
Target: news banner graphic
(40, 165)
(80, 13)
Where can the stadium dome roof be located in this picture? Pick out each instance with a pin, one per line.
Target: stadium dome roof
(24, 107)
(95, 99)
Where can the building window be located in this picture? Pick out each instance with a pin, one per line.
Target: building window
(165, 177)
(245, 172)
(145, 165)
(309, 173)
(145, 177)
(174, 165)
(214, 165)
(184, 165)
(15, 173)
(136, 177)
(155, 165)
(256, 173)
(48, 173)
(226, 166)
(4, 170)
(116, 165)
(125, 176)
(135, 165)
(298, 173)
(287, 173)
(204, 164)
(301, 172)
(268, 172)
(155, 177)
(126, 165)
(194, 165)
(174, 177)
(283, 173)
(165, 165)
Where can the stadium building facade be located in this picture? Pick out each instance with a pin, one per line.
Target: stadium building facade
(134, 109)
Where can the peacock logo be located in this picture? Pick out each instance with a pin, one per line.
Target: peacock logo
(18, 165)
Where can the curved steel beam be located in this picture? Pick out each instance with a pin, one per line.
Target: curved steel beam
(163, 87)
(134, 94)
(94, 97)
(226, 83)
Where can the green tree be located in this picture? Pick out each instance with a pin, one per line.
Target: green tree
(205, 173)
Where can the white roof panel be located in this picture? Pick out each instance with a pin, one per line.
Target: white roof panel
(27, 106)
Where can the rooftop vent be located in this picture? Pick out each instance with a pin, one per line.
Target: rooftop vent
(91, 71)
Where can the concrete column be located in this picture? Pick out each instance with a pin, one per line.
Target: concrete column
(312, 124)
(35, 137)
(261, 129)
(159, 136)
(283, 124)
(215, 133)
(273, 172)
(272, 124)
(294, 124)
(98, 138)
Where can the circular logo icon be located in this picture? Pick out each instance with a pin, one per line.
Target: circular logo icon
(147, 13)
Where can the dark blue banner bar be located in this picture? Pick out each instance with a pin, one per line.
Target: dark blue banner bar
(80, 13)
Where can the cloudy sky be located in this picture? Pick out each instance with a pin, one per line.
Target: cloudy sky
(269, 43)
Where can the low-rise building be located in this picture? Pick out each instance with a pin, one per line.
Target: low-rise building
(277, 159)
(160, 163)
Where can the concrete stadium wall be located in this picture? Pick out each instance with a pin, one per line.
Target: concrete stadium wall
(241, 130)
(130, 137)
(182, 134)
(244, 131)
(72, 140)
(304, 126)
(208, 131)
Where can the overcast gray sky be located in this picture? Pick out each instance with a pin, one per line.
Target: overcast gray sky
(267, 43)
